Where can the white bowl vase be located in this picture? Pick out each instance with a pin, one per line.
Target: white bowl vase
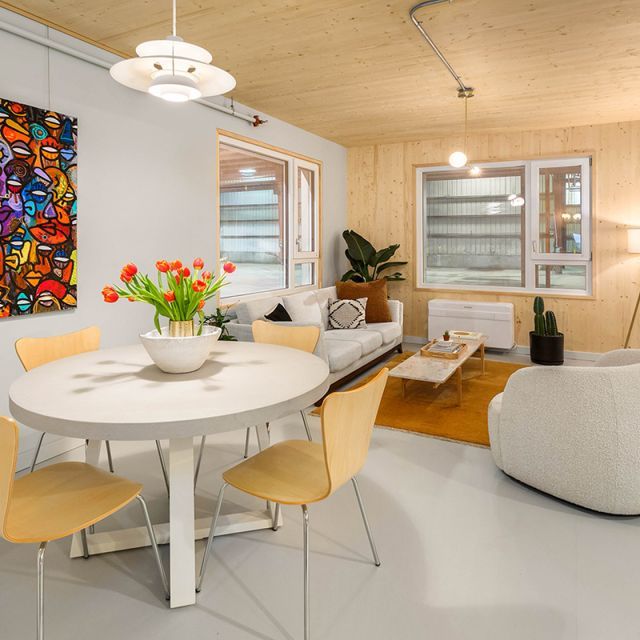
(179, 355)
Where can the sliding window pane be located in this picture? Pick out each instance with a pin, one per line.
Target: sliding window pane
(553, 276)
(306, 213)
(252, 220)
(561, 210)
(474, 227)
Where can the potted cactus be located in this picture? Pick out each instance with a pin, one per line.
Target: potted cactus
(545, 341)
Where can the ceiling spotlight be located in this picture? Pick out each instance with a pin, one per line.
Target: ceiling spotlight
(475, 171)
(173, 70)
(518, 201)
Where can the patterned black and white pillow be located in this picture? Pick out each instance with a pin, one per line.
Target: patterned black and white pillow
(347, 314)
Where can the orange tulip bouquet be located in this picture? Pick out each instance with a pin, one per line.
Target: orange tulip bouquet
(179, 294)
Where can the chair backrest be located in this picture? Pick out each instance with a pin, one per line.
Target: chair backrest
(34, 352)
(8, 458)
(303, 338)
(347, 422)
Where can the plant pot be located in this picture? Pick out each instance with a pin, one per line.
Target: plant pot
(179, 354)
(547, 350)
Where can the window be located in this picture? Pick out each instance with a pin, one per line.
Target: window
(517, 226)
(268, 217)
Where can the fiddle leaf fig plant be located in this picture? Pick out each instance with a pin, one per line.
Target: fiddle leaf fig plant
(367, 263)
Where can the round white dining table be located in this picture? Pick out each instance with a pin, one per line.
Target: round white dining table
(119, 394)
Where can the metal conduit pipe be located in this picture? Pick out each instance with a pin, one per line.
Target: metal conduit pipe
(254, 120)
(464, 90)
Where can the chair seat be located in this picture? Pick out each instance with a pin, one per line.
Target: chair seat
(290, 472)
(62, 499)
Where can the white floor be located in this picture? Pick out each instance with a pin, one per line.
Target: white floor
(467, 553)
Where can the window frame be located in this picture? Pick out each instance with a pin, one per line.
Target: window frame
(531, 258)
(292, 161)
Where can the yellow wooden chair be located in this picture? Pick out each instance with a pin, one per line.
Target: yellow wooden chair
(303, 338)
(34, 352)
(298, 472)
(58, 501)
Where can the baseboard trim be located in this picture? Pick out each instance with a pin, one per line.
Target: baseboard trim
(587, 356)
(49, 450)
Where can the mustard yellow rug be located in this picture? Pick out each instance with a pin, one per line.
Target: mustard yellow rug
(434, 412)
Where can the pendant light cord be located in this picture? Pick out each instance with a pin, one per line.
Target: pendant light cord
(174, 22)
(466, 111)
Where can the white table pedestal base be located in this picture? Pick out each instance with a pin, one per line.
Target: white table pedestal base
(182, 531)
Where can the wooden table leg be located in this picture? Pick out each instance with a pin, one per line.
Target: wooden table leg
(482, 357)
(459, 384)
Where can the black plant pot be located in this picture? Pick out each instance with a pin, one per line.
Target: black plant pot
(547, 350)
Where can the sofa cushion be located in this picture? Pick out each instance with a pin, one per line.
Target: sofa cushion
(342, 353)
(323, 296)
(303, 307)
(278, 314)
(388, 330)
(368, 340)
(251, 310)
(347, 314)
(376, 294)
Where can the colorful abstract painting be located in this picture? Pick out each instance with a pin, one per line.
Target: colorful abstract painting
(38, 241)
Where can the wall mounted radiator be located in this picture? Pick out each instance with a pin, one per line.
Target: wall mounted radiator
(495, 319)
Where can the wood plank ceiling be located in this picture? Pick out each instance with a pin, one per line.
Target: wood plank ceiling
(358, 72)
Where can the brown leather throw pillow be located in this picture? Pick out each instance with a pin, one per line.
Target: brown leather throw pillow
(376, 294)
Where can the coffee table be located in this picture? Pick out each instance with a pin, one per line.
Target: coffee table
(438, 370)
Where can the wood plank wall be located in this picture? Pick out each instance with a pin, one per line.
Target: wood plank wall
(381, 206)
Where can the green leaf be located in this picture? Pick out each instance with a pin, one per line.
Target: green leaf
(359, 249)
(349, 275)
(390, 265)
(383, 255)
(156, 320)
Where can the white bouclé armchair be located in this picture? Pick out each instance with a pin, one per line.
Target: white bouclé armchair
(574, 432)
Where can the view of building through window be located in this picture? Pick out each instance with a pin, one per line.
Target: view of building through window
(268, 219)
(521, 225)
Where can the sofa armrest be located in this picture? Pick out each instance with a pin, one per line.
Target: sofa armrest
(241, 332)
(619, 358)
(396, 308)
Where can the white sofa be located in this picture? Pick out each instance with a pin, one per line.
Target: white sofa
(347, 351)
(574, 432)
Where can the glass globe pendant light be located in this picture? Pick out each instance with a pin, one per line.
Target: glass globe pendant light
(458, 159)
(173, 70)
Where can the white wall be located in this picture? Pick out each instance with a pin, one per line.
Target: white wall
(146, 187)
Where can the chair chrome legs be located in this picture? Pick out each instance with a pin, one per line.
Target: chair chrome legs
(199, 462)
(276, 517)
(109, 456)
(85, 545)
(306, 425)
(305, 538)
(35, 455)
(376, 559)
(246, 443)
(154, 544)
(212, 530)
(163, 466)
(40, 572)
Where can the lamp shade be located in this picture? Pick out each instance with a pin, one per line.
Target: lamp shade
(633, 240)
(173, 70)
